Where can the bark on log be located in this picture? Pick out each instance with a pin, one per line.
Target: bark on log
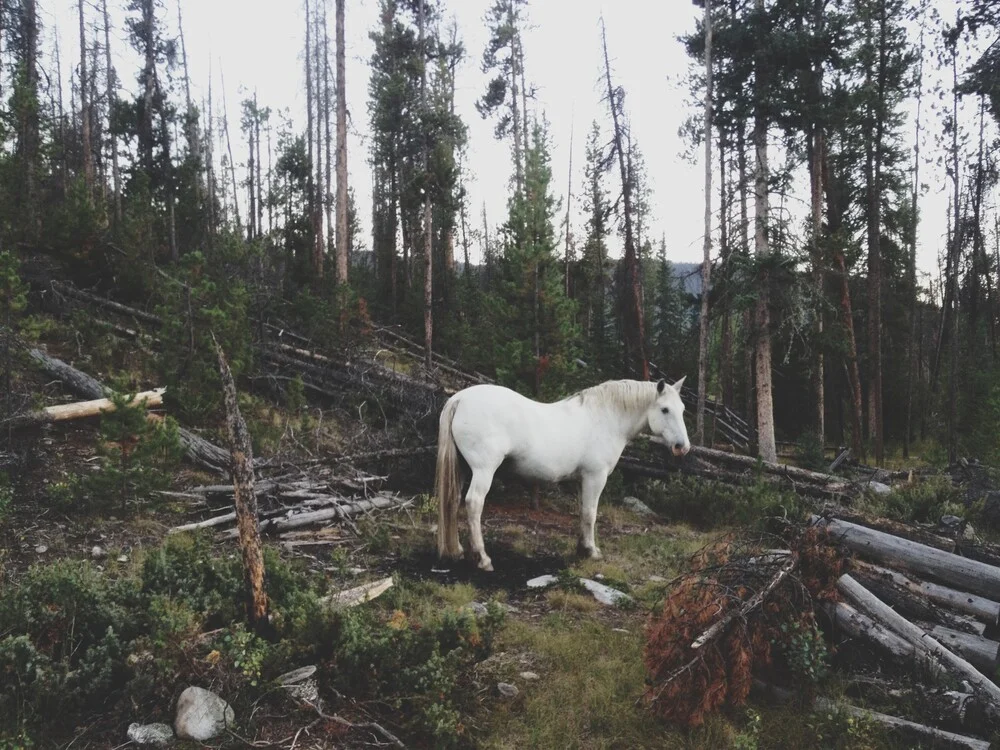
(329, 514)
(939, 736)
(71, 291)
(200, 451)
(969, 575)
(245, 499)
(859, 625)
(978, 607)
(980, 652)
(954, 664)
(900, 529)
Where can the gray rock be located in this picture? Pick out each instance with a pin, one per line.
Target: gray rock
(201, 715)
(98, 553)
(541, 581)
(477, 608)
(150, 734)
(528, 676)
(604, 594)
(879, 488)
(507, 690)
(637, 506)
(950, 522)
(297, 675)
(969, 533)
(656, 579)
(41, 549)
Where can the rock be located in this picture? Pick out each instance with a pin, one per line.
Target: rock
(97, 552)
(541, 581)
(123, 558)
(507, 690)
(950, 522)
(656, 579)
(604, 594)
(879, 488)
(201, 715)
(297, 675)
(477, 608)
(969, 533)
(637, 506)
(41, 549)
(528, 676)
(150, 734)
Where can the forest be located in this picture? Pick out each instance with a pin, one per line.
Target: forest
(293, 329)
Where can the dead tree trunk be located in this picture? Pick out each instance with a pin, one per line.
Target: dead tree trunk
(706, 265)
(342, 238)
(85, 105)
(245, 500)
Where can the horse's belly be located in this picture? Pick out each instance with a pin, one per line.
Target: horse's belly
(543, 466)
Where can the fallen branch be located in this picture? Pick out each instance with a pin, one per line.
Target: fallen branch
(359, 594)
(83, 409)
(752, 603)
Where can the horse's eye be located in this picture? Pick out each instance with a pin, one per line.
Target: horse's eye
(665, 410)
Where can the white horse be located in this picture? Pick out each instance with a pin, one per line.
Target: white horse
(581, 437)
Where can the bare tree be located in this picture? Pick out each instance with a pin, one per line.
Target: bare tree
(635, 339)
(85, 104)
(428, 258)
(342, 229)
(706, 265)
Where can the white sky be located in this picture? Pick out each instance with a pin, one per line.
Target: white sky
(258, 45)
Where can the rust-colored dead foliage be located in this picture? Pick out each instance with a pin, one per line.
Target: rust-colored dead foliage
(684, 684)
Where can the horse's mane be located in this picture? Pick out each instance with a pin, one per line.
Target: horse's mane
(628, 395)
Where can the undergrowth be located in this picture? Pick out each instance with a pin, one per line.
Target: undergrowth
(78, 643)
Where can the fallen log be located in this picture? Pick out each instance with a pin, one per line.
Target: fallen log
(71, 291)
(980, 652)
(939, 736)
(924, 643)
(339, 512)
(859, 625)
(970, 575)
(359, 594)
(200, 451)
(900, 529)
(841, 457)
(83, 409)
(978, 607)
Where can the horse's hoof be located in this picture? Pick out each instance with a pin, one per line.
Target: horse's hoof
(591, 553)
(485, 564)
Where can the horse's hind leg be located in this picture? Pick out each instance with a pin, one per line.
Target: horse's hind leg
(591, 486)
(475, 498)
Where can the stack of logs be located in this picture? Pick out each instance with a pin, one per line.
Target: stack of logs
(921, 604)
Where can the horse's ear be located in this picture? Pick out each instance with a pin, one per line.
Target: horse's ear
(679, 384)
(660, 386)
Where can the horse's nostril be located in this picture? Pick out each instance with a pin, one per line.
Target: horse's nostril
(679, 446)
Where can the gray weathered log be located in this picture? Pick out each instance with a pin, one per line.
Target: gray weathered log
(969, 575)
(847, 619)
(985, 610)
(954, 664)
(980, 652)
(200, 451)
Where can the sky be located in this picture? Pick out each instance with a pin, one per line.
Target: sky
(257, 45)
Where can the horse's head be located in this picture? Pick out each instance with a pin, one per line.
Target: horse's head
(666, 417)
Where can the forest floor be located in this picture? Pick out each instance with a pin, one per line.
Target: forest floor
(577, 664)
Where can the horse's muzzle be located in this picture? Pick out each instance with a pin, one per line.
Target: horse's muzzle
(681, 450)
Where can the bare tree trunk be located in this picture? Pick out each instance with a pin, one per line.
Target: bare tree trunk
(328, 173)
(955, 258)
(635, 339)
(819, 261)
(229, 147)
(257, 162)
(428, 256)
(251, 178)
(210, 159)
(341, 148)
(765, 411)
(85, 103)
(244, 500)
(726, 342)
(514, 117)
(706, 265)
(321, 195)
(111, 94)
(911, 348)
(569, 204)
(171, 196)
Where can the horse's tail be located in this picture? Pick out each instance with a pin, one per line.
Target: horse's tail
(447, 485)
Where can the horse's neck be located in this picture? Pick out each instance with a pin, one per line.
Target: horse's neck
(628, 417)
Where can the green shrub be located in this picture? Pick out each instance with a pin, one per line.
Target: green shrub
(136, 456)
(922, 501)
(708, 504)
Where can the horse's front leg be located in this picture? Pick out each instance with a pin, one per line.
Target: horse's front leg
(591, 487)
